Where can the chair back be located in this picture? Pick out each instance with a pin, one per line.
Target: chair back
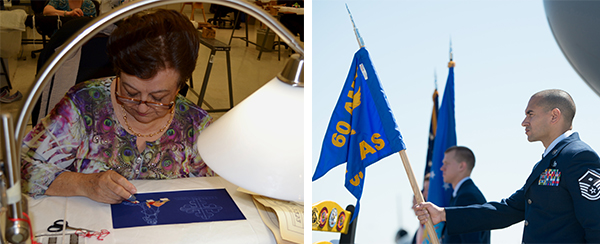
(93, 63)
(97, 6)
(38, 6)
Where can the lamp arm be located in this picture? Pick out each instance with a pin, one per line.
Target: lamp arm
(16, 228)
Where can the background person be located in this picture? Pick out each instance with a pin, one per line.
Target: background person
(133, 126)
(458, 163)
(75, 8)
(560, 201)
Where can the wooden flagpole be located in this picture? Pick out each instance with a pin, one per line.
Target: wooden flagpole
(416, 190)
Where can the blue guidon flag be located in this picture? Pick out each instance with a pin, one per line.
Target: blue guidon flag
(445, 137)
(362, 129)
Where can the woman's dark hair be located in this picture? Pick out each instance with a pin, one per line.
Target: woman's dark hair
(144, 44)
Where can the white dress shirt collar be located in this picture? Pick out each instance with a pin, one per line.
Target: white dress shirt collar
(458, 185)
(556, 141)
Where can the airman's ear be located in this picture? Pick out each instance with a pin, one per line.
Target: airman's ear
(556, 115)
(462, 165)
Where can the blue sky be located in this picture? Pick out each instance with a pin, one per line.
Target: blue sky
(504, 52)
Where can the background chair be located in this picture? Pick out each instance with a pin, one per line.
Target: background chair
(46, 26)
(219, 18)
(94, 63)
(37, 6)
(194, 7)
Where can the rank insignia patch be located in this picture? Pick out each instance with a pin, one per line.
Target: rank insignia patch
(589, 184)
(550, 177)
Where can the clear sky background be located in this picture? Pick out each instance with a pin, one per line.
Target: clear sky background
(504, 52)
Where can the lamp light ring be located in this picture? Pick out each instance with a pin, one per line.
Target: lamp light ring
(104, 20)
(293, 72)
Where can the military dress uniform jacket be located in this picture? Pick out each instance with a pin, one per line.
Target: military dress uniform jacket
(560, 201)
(467, 194)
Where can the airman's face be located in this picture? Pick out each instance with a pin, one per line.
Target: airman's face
(537, 121)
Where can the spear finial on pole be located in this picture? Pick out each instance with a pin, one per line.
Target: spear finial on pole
(451, 63)
(361, 43)
(435, 77)
(450, 48)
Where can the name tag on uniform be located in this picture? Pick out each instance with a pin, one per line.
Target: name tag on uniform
(550, 177)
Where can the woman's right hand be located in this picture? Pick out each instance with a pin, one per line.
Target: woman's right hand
(105, 187)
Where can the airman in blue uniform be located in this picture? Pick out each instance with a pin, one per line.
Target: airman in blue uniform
(458, 163)
(560, 201)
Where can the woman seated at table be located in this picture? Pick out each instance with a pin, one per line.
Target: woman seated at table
(75, 8)
(133, 126)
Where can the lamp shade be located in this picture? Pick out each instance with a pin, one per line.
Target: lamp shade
(258, 145)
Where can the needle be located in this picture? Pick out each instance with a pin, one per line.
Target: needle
(132, 199)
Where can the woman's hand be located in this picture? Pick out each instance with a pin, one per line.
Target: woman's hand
(106, 187)
(49, 10)
(75, 13)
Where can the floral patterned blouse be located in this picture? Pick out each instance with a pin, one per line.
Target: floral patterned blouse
(87, 7)
(82, 134)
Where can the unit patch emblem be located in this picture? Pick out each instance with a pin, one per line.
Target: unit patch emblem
(333, 217)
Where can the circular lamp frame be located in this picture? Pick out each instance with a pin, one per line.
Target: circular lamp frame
(104, 20)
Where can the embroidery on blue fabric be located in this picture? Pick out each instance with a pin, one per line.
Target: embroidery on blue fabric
(176, 207)
(201, 209)
(150, 214)
(550, 177)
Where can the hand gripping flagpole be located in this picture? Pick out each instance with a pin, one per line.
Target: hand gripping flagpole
(416, 190)
(409, 172)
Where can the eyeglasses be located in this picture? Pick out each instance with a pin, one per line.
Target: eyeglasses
(133, 102)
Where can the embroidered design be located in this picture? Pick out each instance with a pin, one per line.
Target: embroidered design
(201, 209)
(156, 203)
(589, 184)
(550, 177)
(150, 214)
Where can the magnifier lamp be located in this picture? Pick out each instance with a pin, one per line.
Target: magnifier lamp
(264, 132)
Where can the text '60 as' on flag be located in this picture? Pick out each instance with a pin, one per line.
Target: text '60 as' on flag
(362, 129)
